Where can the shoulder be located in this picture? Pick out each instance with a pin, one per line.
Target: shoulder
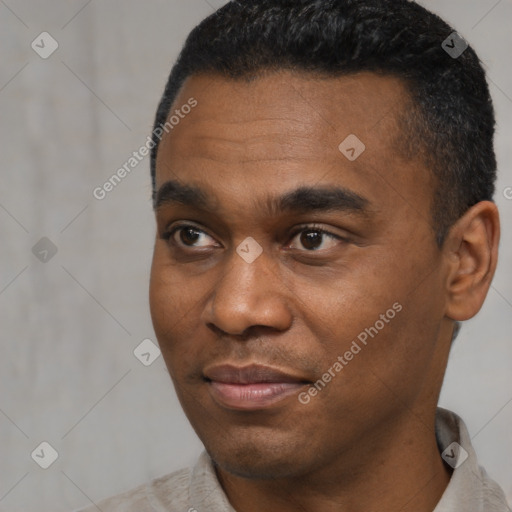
(470, 488)
(171, 491)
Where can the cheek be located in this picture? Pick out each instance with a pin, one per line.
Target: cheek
(170, 302)
(339, 305)
(176, 303)
(382, 318)
(171, 295)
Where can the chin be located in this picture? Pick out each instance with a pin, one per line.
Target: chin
(254, 461)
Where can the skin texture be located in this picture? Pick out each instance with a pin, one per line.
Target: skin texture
(366, 441)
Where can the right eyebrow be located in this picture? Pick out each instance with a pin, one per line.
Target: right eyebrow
(175, 192)
(301, 200)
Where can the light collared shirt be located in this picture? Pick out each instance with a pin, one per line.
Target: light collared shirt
(198, 490)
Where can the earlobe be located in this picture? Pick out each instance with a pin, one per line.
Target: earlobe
(472, 254)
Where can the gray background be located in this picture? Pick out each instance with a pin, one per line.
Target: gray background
(69, 326)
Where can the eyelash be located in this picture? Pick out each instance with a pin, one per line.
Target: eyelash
(168, 236)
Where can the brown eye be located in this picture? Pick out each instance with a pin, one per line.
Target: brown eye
(314, 239)
(188, 236)
(311, 240)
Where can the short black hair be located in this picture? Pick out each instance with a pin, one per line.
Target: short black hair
(449, 121)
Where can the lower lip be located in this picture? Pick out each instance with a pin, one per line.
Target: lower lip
(252, 396)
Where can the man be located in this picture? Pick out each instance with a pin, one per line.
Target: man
(323, 176)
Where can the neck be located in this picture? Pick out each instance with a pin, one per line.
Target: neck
(401, 470)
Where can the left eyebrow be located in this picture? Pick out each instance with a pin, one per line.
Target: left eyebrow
(301, 200)
(322, 198)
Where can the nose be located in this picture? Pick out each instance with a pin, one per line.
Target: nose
(248, 295)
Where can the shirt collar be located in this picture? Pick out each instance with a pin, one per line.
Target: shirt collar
(469, 489)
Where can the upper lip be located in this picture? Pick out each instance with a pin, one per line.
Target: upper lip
(251, 374)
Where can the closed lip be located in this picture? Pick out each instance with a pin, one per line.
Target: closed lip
(250, 374)
(252, 387)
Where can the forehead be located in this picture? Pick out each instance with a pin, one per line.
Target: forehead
(285, 105)
(285, 128)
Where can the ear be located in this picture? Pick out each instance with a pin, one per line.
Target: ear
(471, 249)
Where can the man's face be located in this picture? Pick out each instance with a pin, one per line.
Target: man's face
(309, 295)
